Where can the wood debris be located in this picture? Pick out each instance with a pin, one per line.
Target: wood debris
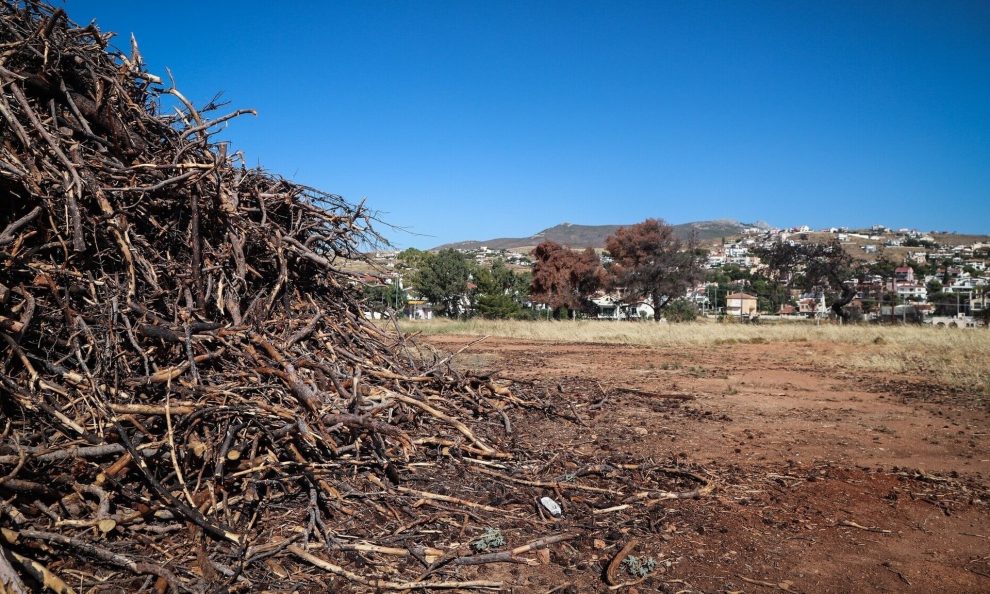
(192, 397)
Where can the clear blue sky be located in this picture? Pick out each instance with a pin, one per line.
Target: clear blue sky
(471, 119)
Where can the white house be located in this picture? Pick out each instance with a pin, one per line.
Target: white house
(963, 285)
(812, 305)
(612, 307)
(912, 291)
(419, 309)
(609, 307)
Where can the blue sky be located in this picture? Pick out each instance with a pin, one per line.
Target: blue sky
(468, 120)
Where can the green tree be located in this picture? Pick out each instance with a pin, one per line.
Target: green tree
(717, 276)
(984, 312)
(497, 306)
(411, 258)
(382, 298)
(442, 278)
(770, 295)
(946, 304)
(824, 267)
(736, 272)
(523, 280)
(883, 267)
(494, 279)
(680, 310)
(920, 270)
(499, 291)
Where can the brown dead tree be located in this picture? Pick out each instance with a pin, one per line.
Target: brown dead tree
(649, 260)
(563, 277)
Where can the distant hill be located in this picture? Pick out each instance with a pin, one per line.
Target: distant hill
(593, 236)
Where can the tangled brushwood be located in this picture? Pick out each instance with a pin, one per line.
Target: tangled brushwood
(191, 398)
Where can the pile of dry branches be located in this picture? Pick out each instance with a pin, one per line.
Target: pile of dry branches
(179, 351)
(191, 398)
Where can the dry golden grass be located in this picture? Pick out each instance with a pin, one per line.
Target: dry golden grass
(702, 333)
(955, 357)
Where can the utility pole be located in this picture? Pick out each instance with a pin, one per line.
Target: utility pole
(880, 305)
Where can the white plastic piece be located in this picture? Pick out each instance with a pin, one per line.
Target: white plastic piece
(551, 506)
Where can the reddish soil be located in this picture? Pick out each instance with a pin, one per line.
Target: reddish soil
(801, 454)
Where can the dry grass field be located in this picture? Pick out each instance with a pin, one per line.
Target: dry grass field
(956, 357)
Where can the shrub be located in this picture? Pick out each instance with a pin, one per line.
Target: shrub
(491, 539)
(497, 306)
(680, 310)
(639, 566)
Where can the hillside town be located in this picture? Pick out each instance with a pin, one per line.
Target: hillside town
(904, 276)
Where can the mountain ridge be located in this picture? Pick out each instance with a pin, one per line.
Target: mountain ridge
(593, 236)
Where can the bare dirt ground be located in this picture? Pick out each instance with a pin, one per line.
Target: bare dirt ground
(827, 480)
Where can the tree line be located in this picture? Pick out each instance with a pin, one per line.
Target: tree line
(455, 285)
(646, 261)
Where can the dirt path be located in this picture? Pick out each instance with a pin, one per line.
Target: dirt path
(829, 481)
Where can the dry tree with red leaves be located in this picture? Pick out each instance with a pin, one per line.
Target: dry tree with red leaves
(649, 260)
(563, 277)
